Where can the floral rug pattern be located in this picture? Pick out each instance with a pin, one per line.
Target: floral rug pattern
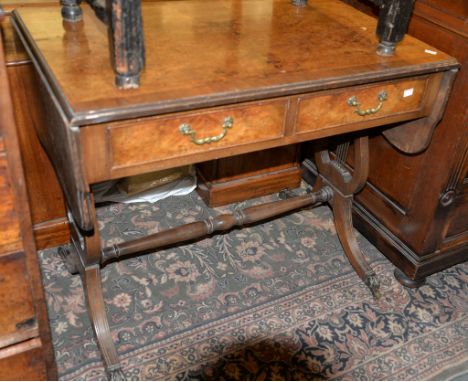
(276, 300)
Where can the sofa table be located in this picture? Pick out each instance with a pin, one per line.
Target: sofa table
(223, 78)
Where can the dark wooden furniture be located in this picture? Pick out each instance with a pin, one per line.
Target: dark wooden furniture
(415, 208)
(25, 343)
(235, 83)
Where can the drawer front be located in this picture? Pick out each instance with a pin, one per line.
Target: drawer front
(159, 138)
(320, 112)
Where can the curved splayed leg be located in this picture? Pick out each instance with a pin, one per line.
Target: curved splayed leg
(342, 211)
(96, 307)
(85, 256)
(345, 182)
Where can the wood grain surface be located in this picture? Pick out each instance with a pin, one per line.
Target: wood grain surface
(202, 55)
(148, 144)
(25, 342)
(321, 112)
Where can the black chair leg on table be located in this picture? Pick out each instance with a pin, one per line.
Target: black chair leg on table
(393, 23)
(127, 42)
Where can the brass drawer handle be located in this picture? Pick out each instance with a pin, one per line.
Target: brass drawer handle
(186, 129)
(382, 97)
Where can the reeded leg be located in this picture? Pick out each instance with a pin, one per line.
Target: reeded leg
(342, 211)
(334, 173)
(86, 257)
(406, 281)
(97, 312)
(71, 10)
(393, 23)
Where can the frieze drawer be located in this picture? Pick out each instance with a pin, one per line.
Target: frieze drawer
(167, 137)
(361, 104)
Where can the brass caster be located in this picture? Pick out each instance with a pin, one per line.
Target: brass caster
(70, 259)
(116, 374)
(373, 284)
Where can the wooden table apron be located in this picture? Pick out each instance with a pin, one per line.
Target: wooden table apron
(251, 93)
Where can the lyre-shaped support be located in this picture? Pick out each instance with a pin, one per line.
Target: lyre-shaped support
(334, 173)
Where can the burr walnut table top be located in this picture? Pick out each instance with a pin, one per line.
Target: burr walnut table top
(203, 53)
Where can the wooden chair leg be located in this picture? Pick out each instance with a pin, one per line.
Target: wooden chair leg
(394, 17)
(342, 211)
(127, 42)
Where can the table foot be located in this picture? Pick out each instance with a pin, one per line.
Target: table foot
(116, 375)
(373, 284)
(71, 260)
(406, 281)
(97, 313)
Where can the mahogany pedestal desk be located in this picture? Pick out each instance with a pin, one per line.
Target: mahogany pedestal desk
(223, 78)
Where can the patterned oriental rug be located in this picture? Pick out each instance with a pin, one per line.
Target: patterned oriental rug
(274, 301)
